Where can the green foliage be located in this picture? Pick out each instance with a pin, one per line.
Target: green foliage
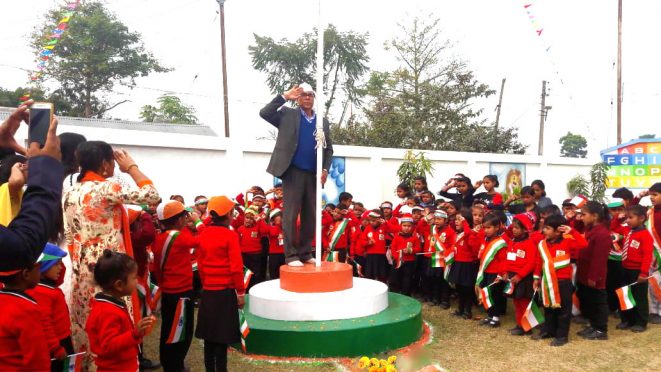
(96, 53)
(414, 165)
(288, 63)
(9, 98)
(573, 146)
(647, 136)
(595, 188)
(170, 110)
(427, 103)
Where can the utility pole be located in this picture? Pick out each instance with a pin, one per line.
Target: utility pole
(543, 112)
(619, 72)
(500, 104)
(224, 63)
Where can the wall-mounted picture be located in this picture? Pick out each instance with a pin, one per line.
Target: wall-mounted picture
(335, 184)
(511, 176)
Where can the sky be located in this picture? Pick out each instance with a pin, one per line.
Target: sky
(576, 54)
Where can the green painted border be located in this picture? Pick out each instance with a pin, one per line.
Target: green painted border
(398, 326)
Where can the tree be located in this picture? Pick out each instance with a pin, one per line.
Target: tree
(96, 53)
(170, 110)
(573, 146)
(287, 63)
(414, 165)
(595, 188)
(9, 98)
(427, 103)
(647, 136)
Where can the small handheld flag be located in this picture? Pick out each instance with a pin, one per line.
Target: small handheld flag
(73, 362)
(245, 330)
(625, 296)
(247, 275)
(575, 305)
(509, 288)
(487, 300)
(178, 330)
(532, 317)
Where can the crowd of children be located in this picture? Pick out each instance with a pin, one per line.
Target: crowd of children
(460, 246)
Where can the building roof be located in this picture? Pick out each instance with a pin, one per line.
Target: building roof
(193, 129)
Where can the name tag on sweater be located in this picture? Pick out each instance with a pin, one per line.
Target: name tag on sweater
(521, 253)
(635, 244)
(559, 253)
(511, 256)
(253, 234)
(281, 240)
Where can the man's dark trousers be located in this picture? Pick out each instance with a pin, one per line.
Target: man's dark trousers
(298, 189)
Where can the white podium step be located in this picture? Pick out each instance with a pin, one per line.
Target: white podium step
(367, 297)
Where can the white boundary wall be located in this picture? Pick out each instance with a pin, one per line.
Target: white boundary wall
(190, 165)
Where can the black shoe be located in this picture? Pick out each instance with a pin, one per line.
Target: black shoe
(623, 326)
(494, 323)
(584, 331)
(485, 321)
(655, 319)
(541, 336)
(517, 331)
(445, 305)
(458, 313)
(579, 320)
(467, 315)
(559, 341)
(596, 335)
(638, 328)
(146, 364)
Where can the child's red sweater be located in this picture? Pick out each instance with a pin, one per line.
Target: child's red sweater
(53, 307)
(23, 344)
(401, 242)
(467, 244)
(219, 260)
(445, 235)
(276, 240)
(344, 241)
(378, 235)
(114, 342)
(496, 265)
(173, 265)
(521, 257)
(357, 247)
(560, 247)
(250, 238)
(638, 245)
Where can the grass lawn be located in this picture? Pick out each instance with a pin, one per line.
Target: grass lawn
(463, 345)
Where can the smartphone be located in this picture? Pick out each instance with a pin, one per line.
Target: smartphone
(41, 115)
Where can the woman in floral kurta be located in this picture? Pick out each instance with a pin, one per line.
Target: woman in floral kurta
(93, 222)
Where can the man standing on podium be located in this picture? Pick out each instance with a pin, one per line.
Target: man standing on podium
(294, 160)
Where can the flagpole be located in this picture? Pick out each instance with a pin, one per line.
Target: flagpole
(320, 131)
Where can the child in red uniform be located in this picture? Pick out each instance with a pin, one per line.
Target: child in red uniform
(493, 254)
(636, 261)
(344, 223)
(404, 247)
(23, 343)
(276, 244)
(113, 338)
(53, 307)
(221, 269)
(357, 247)
(618, 231)
(250, 240)
(374, 241)
(554, 260)
(175, 278)
(464, 269)
(518, 268)
(439, 238)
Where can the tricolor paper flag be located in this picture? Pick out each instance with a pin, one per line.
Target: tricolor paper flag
(73, 362)
(485, 294)
(655, 285)
(245, 330)
(509, 288)
(575, 305)
(532, 317)
(178, 330)
(626, 298)
(247, 275)
(332, 256)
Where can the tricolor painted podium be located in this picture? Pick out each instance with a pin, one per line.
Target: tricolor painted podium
(326, 312)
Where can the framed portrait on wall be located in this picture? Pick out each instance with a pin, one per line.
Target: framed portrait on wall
(511, 176)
